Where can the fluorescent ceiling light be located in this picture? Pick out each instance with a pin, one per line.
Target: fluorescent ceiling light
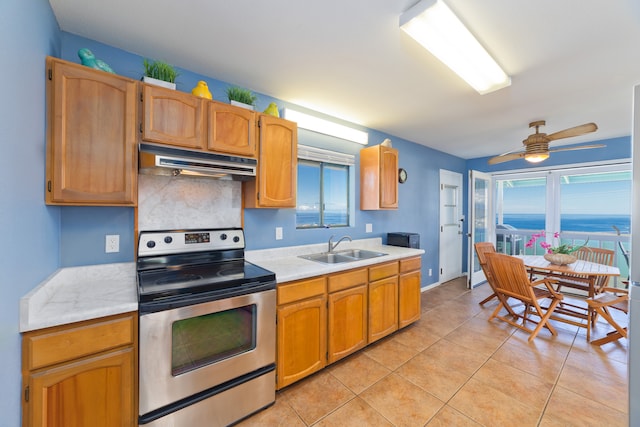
(432, 24)
(326, 127)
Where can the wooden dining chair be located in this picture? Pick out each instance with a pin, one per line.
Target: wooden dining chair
(597, 255)
(511, 281)
(599, 305)
(481, 249)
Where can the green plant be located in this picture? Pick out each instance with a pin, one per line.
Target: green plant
(239, 94)
(160, 70)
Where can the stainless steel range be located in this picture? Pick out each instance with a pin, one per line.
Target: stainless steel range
(207, 329)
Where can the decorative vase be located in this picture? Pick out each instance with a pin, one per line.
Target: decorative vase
(157, 82)
(560, 259)
(202, 90)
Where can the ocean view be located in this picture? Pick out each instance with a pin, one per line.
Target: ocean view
(572, 222)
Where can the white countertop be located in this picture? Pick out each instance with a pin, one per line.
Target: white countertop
(75, 294)
(80, 293)
(288, 266)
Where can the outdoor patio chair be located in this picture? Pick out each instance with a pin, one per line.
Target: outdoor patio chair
(481, 249)
(511, 281)
(597, 255)
(609, 298)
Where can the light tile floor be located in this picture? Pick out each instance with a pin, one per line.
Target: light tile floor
(455, 368)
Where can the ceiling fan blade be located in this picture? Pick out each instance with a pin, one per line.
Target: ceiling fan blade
(574, 131)
(505, 158)
(581, 147)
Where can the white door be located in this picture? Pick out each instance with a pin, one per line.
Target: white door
(451, 220)
(480, 224)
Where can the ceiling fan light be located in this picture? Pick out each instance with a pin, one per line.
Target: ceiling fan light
(432, 24)
(536, 157)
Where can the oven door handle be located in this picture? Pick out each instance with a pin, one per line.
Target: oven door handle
(177, 301)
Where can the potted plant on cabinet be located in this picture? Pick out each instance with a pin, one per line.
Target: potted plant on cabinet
(159, 73)
(241, 97)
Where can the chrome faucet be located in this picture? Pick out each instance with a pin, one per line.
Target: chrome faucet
(332, 246)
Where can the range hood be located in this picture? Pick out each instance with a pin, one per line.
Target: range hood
(163, 160)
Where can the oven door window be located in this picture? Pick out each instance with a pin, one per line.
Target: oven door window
(202, 340)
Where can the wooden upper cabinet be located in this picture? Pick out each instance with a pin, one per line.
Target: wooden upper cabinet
(91, 136)
(231, 129)
(275, 185)
(378, 178)
(173, 117)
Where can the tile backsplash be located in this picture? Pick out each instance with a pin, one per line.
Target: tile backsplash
(167, 203)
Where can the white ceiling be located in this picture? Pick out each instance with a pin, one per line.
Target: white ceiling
(571, 61)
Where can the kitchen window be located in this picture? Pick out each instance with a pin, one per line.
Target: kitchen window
(324, 182)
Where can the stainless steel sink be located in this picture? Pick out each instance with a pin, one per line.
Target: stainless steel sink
(348, 255)
(360, 253)
(328, 258)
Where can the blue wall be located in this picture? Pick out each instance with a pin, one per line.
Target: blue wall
(30, 230)
(81, 232)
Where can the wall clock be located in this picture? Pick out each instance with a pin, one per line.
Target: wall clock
(402, 175)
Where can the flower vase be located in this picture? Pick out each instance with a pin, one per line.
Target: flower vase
(560, 259)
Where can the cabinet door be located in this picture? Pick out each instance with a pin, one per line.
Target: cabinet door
(383, 308)
(388, 178)
(231, 129)
(409, 298)
(277, 165)
(172, 117)
(91, 146)
(378, 178)
(302, 340)
(347, 322)
(97, 392)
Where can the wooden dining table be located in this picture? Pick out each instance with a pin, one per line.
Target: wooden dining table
(573, 309)
(585, 271)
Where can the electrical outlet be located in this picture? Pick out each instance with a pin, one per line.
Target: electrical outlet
(278, 233)
(430, 272)
(368, 228)
(112, 243)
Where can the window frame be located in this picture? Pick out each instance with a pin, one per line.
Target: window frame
(324, 159)
(553, 189)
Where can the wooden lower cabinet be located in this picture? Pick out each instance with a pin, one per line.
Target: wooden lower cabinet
(302, 330)
(324, 319)
(383, 308)
(409, 291)
(383, 300)
(82, 374)
(347, 328)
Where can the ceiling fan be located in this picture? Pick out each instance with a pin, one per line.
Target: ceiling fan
(537, 144)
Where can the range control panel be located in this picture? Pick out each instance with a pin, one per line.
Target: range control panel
(183, 241)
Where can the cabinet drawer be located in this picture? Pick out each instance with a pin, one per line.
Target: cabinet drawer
(341, 281)
(410, 264)
(300, 290)
(381, 271)
(71, 342)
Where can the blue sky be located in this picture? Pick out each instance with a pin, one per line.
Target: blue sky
(603, 198)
